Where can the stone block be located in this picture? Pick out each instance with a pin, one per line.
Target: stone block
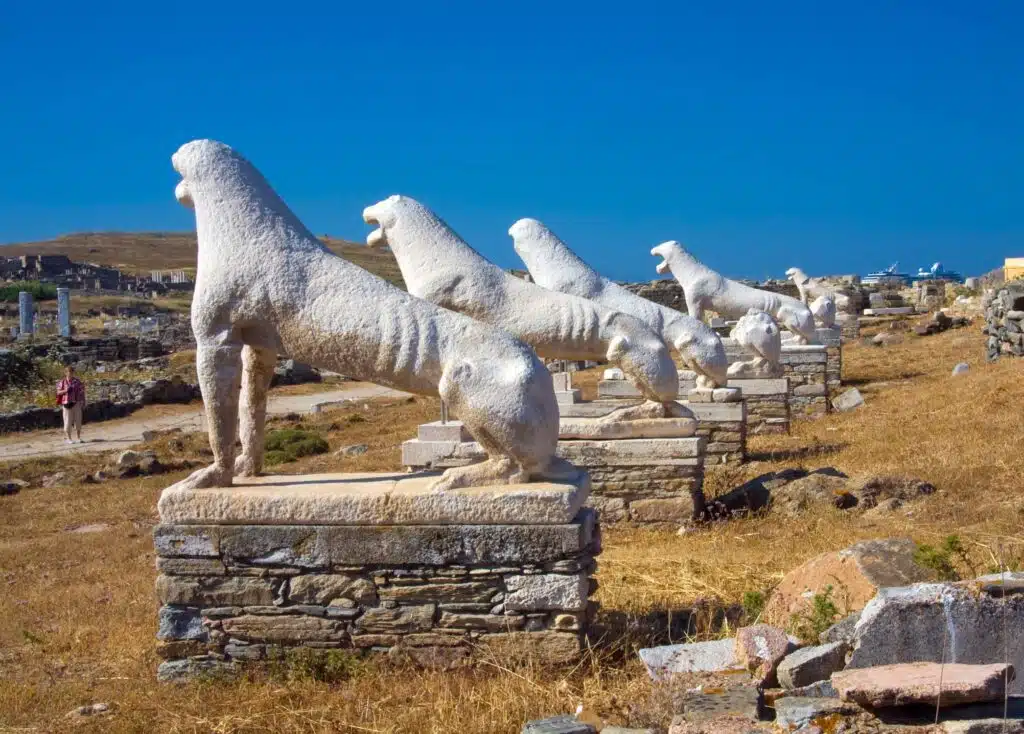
(849, 400)
(810, 390)
(812, 664)
(181, 623)
(718, 656)
(596, 429)
(568, 397)
(923, 683)
(752, 387)
(175, 540)
(371, 499)
(558, 725)
(676, 510)
(216, 591)
(282, 545)
(908, 624)
(290, 629)
(738, 701)
(485, 622)
(719, 412)
(554, 648)
(326, 588)
(191, 566)
(541, 592)
(453, 431)
(760, 648)
(447, 593)
(633, 452)
(400, 620)
(417, 453)
(180, 671)
(795, 712)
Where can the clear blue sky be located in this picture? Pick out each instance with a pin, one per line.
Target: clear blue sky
(833, 136)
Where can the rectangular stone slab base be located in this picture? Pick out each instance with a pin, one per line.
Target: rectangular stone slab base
(433, 590)
(767, 402)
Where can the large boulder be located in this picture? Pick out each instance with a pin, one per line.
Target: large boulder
(817, 488)
(855, 575)
(907, 684)
(977, 622)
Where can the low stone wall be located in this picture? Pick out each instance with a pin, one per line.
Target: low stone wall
(832, 338)
(99, 349)
(105, 401)
(1004, 321)
(434, 594)
(807, 370)
(723, 426)
(665, 292)
(642, 480)
(768, 401)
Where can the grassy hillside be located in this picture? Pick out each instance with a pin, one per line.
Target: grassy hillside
(145, 251)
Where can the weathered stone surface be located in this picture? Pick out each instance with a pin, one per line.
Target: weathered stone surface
(984, 726)
(799, 495)
(380, 620)
(718, 725)
(178, 671)
(743, 701)
(858, 571)
(558, 725)
(570, 428)
(262, 544)
(902, 625)
(632, 452)
(821, 689)
(551, 591)
(674, 510)
(812, 664)
(284, 629)
(488, 622)
(180, 623)
(174, 649)
(841, 631)
(325, 588)
(183, 540)
(216, 591)
(371, 499)
(555, 648)
(696, 657)
(191, 566)
(849, 400)
(760, 648)
(919, 683)
(453, 593)
(793, 712)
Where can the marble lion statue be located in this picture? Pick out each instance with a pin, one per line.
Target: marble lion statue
(758, 333)
(706, 289)
(554, 266)
(824, 310)
(265, 285)
(439, 266)
(813, 288)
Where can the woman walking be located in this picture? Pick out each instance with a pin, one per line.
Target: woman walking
(71, 398)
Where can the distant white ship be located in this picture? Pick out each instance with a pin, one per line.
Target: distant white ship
(890, 276)
(937, 272)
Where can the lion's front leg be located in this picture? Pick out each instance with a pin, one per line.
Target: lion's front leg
(219, 367)
(257, 373)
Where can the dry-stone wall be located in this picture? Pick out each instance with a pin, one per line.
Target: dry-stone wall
(665, 292)
(232, 594)
(99, 349)
(1004, 321)
(808, 371)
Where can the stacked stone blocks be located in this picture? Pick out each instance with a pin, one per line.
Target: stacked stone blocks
(432, 594)
(1004, 322)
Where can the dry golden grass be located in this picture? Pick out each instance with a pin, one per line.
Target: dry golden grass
(78, 613)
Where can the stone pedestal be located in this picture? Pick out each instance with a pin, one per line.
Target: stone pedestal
(807, 367)
(767, 402)
(63, 312)
(832, 338)
(26, 315)
(351, 563)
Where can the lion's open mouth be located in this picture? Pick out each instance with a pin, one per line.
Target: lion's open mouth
(181, 193)
(662, 267)
(376, 238)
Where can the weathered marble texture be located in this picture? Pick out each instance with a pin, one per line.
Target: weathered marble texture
(758, 333)
(706, 289)
(439, 266)
(824, 310)
(265, 285)
(554, 266)
(812, 288)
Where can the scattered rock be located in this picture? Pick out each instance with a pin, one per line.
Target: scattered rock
(902, 625)
(919, 683)
(873, 491)
(849, 400)
(984, 726)
(795, 497)
(820, 689)
(96, 527)
(760, 648)
(718, 725)
(812, 664)
(89, 710)
(132, 458)
(558, 725)
(97, 478)
(794, 712)
(841, 631)
(357, 449)
(886, 338)
(12, 486)
(148, 436)
(740, 701)
(695, 657)
(855, 574)
(961, 369)
(54, 480)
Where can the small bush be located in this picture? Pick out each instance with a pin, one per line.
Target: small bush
(40, 291)
(942, 560)
(822, 615)
(288, 444)
(753, 605)
(324, 666)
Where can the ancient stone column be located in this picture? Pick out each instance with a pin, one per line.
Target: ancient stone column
(26, 314)
(64, 312)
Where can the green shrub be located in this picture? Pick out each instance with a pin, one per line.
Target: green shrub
(822, 615)
(942, 560)
(288, 444)
(325, 666)
(40, 291)
(753, 604)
